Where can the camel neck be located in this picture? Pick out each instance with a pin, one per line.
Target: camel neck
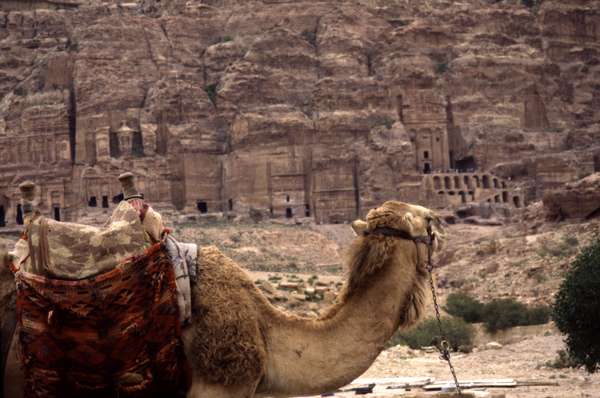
(313, 356)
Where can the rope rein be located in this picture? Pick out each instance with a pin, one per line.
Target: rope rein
(443, 345)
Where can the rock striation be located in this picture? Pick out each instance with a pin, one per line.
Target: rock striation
(320, 109)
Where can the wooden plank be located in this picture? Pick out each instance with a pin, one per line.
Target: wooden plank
(407, 382)
(466, 384)
(534, 383)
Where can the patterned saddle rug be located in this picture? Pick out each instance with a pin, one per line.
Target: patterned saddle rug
(117, 334)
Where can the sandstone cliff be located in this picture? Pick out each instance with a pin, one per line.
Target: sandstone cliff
(297, 108)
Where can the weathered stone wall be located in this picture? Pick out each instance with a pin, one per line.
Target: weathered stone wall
(293, 108)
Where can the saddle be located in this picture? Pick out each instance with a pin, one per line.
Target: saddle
(98, 310)
(76, 251)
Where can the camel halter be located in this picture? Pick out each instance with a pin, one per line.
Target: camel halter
(444, 347)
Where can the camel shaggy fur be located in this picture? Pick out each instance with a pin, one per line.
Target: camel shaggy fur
(241, 346)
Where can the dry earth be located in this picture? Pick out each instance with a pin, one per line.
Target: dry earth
(522, 360)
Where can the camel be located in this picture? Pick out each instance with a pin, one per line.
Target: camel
(241, 346)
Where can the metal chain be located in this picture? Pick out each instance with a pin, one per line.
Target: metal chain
(443, 346)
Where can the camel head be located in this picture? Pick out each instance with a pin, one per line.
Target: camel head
(372, 253)
(412, 219)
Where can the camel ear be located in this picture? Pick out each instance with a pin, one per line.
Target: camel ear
(359, 226)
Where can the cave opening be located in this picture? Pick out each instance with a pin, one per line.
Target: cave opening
(202, 207)
(57, 213)
(137, 144)
(19, 215)
(466, 164)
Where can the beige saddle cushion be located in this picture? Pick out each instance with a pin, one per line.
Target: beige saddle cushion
(77, 251)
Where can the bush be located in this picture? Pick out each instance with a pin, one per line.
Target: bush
(464, 306)
(498, 314)
(502, 314)
(538, 315)
(459, 334)
(577, 307)
(563, 360)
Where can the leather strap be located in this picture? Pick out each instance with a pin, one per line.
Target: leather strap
(398, 233)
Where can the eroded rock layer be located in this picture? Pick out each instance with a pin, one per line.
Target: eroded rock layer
(303, 108)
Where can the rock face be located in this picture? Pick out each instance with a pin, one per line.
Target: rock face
(580, 200)
(320, 109)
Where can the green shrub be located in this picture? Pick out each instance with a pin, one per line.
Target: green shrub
(498, 314)
(502, 314)
(464, 306)
(459, 334)
(577, 308)
(563, 360)
(538, 315)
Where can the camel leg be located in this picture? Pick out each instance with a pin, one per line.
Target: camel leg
(204, 390)
(13, 374)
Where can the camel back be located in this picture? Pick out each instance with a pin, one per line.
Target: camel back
(117, 334)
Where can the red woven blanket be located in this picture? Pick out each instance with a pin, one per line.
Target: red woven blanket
(114, 335)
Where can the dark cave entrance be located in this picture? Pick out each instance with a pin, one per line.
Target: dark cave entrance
(466, 164)
(202, 207)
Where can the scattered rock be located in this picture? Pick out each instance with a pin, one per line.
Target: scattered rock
(493, 345)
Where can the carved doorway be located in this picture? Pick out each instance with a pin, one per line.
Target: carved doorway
(56, 212)
(4, 206)
(202, 207)
(19, 215)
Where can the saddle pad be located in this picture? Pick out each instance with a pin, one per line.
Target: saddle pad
(77, 251)
(114, 335)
